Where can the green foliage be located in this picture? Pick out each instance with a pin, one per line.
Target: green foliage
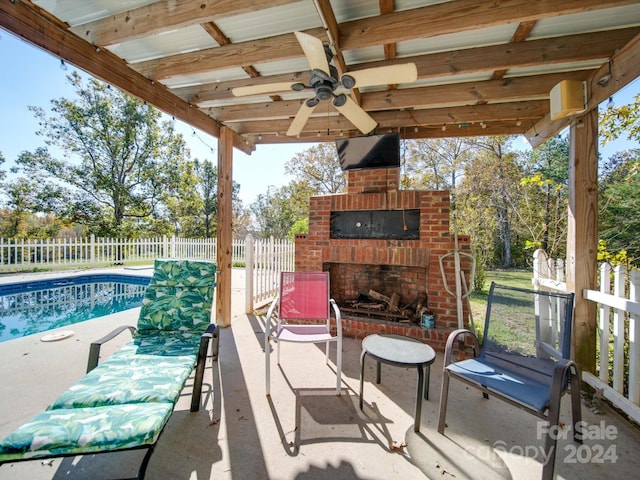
(617, 258)
(623, 120)
(118, 159)
(480, 277)
(284, 212)
(319, 169)
(619, 207)
(300, 226)
(275, 213)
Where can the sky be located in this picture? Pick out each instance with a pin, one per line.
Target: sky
(30, 76)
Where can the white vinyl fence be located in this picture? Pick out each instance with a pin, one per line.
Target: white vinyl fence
(264, 259)
(91, 251)
(618, 300)
(264, 262)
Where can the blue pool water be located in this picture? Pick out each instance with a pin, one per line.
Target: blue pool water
(34, 307)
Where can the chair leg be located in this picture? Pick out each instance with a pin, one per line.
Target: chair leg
(550, 444)
(576, 404)
(363, 354)
(553, 416)
(267, 362)
(444, 396)
(196, 395)
(338, 366)
(326, 352)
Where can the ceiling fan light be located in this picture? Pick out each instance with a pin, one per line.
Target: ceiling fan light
(339, 100)
(312, 102)
(348, 81)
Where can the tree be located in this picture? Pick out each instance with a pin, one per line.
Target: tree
(547, 185)
(434, 164)
(121, 157)
(319, 169)
(193, 202)
(619, 205)
(274, 212)
(616, 121)
(619, 191)
(487, 199)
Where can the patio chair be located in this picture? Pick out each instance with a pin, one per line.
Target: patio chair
(300, 313)
(125, 402)
(523, 359)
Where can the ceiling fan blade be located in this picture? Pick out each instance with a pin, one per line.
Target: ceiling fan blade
(300, 119)
(392, 74)
(356, 115)
(262, 89)
(313, 49)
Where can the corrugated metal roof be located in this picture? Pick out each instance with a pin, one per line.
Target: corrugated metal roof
(439, 37)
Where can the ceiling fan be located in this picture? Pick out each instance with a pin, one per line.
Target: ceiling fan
(323, 81)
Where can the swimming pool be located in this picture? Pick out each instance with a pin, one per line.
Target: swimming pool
(34, 307)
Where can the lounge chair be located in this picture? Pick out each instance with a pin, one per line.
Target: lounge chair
(125, 402)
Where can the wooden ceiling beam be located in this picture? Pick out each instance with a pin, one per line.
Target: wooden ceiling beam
(164, 16)
(623, 69)
(279, 47)
(387, 7)
(520, 35)
(328, 19)
(407, 134)
(458, 16)
(438, 96)
(282, 47)
(574, 48)
(218, 35)
(525, 113)
(499, 91)
(27, 23)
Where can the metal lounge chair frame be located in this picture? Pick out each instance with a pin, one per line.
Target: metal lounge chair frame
(533, 371)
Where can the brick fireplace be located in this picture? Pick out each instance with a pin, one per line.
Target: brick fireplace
(378, 237)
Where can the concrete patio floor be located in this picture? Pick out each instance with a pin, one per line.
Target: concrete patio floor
(305, 431)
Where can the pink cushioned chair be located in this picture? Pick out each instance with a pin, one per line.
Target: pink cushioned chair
(293, 317)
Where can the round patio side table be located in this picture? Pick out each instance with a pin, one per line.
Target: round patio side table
(400, 351)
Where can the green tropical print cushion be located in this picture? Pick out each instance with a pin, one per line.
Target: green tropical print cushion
(86, 430)
(179, 297)
(116, 385)
(126, 401)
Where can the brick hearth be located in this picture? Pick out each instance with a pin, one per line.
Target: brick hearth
(407, 266)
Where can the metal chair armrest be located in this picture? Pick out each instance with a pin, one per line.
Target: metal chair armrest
(267, 323)
(448, 352)
(94, 349)
(338, 316)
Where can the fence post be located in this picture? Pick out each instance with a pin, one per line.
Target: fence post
(634, 339)
(540, 266)
(605, 287)
(172, 247)
(249, 265)
(92, 250)
(619, 275)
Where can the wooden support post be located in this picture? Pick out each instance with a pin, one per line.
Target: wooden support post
(582, 236)
(225, 217)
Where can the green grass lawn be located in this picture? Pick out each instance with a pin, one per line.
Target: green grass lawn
(513, 278)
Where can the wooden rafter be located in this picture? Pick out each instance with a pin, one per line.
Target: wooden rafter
(40, 31)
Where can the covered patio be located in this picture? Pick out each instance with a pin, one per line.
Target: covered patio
(304, 430)
(483, 68)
